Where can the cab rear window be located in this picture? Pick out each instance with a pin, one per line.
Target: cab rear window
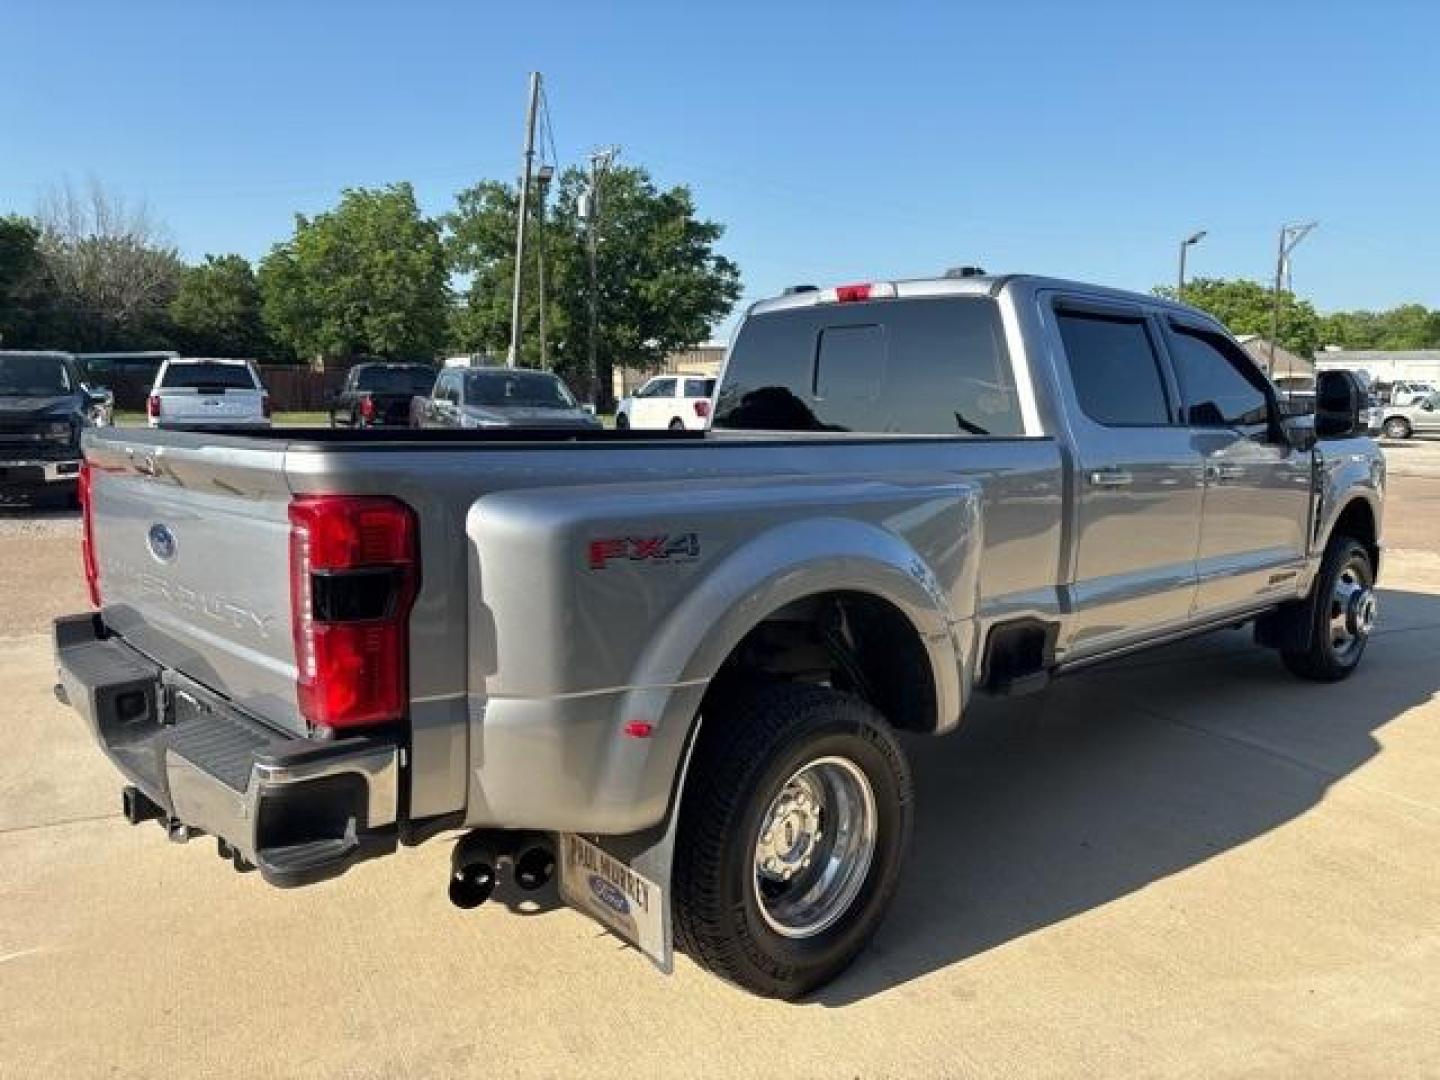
(915, 367)
(204, 376)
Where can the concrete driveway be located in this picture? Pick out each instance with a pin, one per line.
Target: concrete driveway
(1189, 865)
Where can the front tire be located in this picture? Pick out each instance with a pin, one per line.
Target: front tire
(622, 421)
(1341, 611)
(793, 830)
(1397, 428)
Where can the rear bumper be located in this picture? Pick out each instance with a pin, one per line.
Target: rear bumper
(37, 472)
(299, 810)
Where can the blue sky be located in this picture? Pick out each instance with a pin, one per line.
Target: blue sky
(836, 142)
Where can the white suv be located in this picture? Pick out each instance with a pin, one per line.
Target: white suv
(1411, 392)
(677, 402)
(203, 391)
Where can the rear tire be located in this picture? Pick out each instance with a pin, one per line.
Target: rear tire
(677, 424)
(1341, 611)
(793, 829)
(1397, 428)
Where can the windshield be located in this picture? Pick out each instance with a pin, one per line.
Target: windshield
(208, 376)
(396, 380)
(517, 390)
(33, 376)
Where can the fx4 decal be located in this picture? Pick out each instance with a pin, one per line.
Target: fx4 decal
(673, 548)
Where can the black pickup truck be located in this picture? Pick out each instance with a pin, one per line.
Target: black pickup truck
(378, 394)
(44, 405)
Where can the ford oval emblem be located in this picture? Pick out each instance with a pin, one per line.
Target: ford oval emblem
(162, 542)
(609, 895)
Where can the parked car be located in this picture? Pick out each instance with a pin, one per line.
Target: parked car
(1403, 421)
(379, 394)
(1411, 392)
(676, 402)
(215, 391)
(44, 407)
(502, 397)
(671, 669)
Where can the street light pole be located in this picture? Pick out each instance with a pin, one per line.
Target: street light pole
(525, 175)
(542, 179)
(1290, 237)
(1184, 246)
(599, 163)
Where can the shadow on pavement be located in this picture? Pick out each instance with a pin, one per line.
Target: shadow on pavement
(1045, 807)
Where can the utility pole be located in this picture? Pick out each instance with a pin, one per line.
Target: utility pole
(542, 180)
(1290, 237)
(600, 162)
(1184, 245)
(525, 176)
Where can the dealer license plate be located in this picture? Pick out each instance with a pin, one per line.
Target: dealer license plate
(595, 882)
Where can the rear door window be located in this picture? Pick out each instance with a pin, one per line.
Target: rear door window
(1115, 369)
(919, 367)
(657, 388)
(699, 387)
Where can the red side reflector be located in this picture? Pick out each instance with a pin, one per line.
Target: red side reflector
(87, 536)
(352, 672)
(639, 729)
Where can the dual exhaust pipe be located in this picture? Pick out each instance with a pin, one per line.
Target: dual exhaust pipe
(476, 862)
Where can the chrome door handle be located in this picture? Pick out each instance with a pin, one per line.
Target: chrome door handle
(1110, 478)
(1226, 472)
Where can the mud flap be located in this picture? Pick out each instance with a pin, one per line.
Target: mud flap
(623, 882)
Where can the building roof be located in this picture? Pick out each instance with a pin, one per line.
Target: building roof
(1286, 362)
(1371, 356)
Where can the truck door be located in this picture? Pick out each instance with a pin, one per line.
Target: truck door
(1136, 516)
(1257, 486)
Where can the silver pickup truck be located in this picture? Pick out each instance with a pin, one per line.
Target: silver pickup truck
(667, 668)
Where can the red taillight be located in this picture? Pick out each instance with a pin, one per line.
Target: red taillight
(87, 536)
(367, 408)
(702, 408)
(152, 405)
(354, 572)
(846, 294)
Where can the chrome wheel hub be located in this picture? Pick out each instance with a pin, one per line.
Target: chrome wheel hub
(814, 847)
(1353, 608)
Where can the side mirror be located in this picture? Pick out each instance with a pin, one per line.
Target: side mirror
(1339, 398)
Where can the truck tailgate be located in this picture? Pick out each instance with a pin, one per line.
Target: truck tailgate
(192, 546)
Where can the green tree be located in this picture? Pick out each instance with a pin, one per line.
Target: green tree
(367, 278)
(662, 285)
(1409, 326)
(20, 267)
(1246, 307)
(216, 311)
